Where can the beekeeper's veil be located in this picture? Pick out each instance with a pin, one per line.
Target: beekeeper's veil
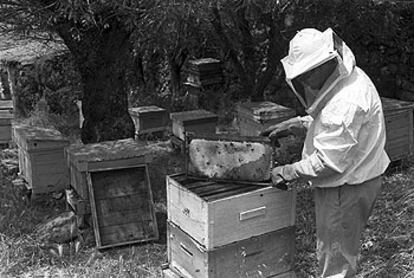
(309, 49)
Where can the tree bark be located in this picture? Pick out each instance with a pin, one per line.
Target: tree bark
(103, 56)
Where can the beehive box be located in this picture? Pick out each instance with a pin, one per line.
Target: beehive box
(82, 159)
(230, 157)
(254, 117)
(6, 105)
(122, 206)
(219, 213)
(149, 119)
(265, 255)
(6, 117)
(399, 127)
(193, 121)
(204, 72)
(42, 159)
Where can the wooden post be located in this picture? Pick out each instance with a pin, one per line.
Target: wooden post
(11, 68)
(4, 85)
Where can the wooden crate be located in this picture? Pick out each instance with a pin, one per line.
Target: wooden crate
(6, 117)
(122, 206)
(193, 121)
(219, 213)
(265, 255)
(399, 127)
(42, 159)
(82, 159)
(149, 119)
(254, 117)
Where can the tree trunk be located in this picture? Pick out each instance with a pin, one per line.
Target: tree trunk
(103, 57)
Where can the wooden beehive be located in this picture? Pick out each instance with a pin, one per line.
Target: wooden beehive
(149, 119)
(399, 126)
(42, 158)
(110, 182)
(6, 117)
(254, 117)
(265, 255)
(6, 105)
(208, 210)
(204, 72)
(193, 121)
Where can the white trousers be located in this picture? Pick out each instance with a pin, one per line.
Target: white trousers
(341, 215)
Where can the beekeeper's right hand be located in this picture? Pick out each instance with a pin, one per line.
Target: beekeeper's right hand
(293, 126)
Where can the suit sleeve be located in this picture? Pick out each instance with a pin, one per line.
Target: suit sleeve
(335, 142)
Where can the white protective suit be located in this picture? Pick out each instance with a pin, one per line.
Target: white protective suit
(347, 133)
(343, 153)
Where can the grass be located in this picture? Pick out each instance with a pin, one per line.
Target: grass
(388, 242)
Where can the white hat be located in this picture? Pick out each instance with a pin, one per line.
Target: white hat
(308, 49)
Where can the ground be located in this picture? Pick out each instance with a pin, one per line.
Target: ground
(387, 245)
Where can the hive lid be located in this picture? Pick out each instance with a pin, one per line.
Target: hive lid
(145, 109)
(389, 104)
(228, 157)
(265, 110)
(109, 150)
(193, 115)
(38, 138)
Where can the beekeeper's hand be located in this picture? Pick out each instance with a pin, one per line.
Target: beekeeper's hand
(292, 126)
(278, 180)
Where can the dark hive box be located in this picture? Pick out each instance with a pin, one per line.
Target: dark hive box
(149, 119)
(399, 126)
(254, 117)
(193, 121)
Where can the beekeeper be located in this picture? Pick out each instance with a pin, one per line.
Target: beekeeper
(343, 155)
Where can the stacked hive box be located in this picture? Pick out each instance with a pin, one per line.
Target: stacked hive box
(110, 184)
(204, 72)
(399, 125)
(223, 228)
(205, 76)
(42, 159)
(254, 117)
(149, 119)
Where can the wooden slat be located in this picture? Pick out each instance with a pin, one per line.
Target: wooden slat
(126, 233)
(229, 192)
(124, 203)
(124, 217)
(212, 188)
